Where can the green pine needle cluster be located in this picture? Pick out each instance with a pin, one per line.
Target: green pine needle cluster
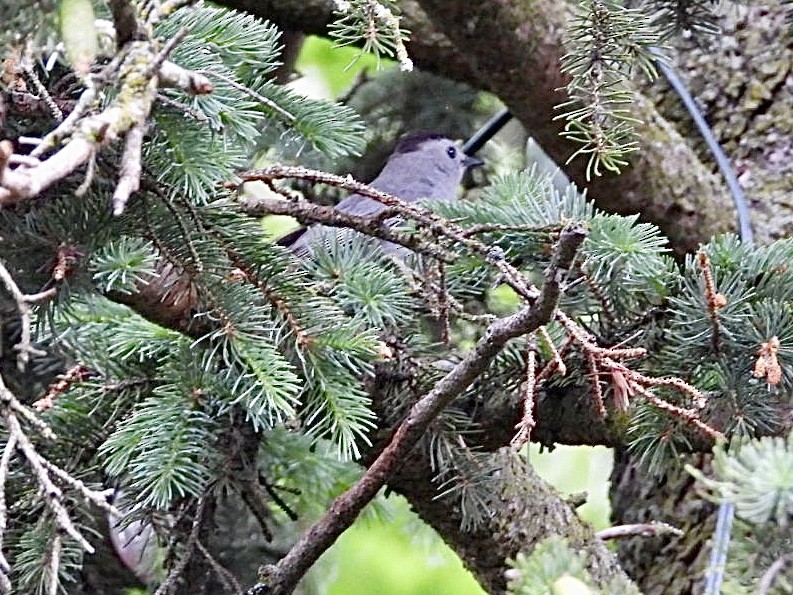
(376, 23)
(757, 477)
(609, 44)
(551, 568)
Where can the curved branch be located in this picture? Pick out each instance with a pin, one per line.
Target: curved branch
(283, 577)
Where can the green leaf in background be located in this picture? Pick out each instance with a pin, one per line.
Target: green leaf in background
(78, 32)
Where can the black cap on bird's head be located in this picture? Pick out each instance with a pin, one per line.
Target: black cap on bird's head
(416, 141)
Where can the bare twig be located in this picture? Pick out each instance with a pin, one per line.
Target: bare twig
(139, 71)
(553, 365)
(165, 51)
(101, 499)
(443, 304)
(90, 172)
(130, 168)
(528, 388)
(5, 461)
(642, 529)
(187, 110)
(767, 581)
(627, 382)
(24, 347)
(63, 382)
(687, 415)
(45, 96)
(8, 399)
(716, 301)
(194, 83)
(269, 103)
(52, 494)
(66, 127)
(306, 212)
(423, 217)
(178, 569)
(283, 577)
(54, 564)
(230, 581)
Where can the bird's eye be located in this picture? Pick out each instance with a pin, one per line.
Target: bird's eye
(451, 152)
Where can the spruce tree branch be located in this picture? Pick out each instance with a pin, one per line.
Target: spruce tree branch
(176, 572)
(229, 581)
(283, 577)
(139, 71)
(769, 576)
(24, 348)
(129, 169)
(54, 564)
(526, 510)
(195, 83)
(9, 400)
(266, 101)
(653, 529)
(5, 463)
(101, 499)
(52, 495)
(423, 217)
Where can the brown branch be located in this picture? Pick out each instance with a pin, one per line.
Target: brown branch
(129, 169)
(769, 576)
(715, 300)
(52, 495)
(283, 577)
(230, 582)
(308, 213)
(138, 71)
(527, 391)
(24, 347)
(5, 463)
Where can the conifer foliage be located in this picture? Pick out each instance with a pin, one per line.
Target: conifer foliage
(160, 353)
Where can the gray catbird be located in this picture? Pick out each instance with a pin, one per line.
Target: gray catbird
(423, 165)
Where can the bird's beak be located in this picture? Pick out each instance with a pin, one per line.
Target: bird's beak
(469, 161)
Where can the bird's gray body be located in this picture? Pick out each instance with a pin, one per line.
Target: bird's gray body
(421, 167)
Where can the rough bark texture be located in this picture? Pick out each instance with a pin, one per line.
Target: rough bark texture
(662, 565)
(527, 508)
(743, 81)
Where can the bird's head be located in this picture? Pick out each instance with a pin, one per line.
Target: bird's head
(433, 154)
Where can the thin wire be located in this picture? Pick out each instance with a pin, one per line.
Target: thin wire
(738, 198)
(486, 132)
(721, 543)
